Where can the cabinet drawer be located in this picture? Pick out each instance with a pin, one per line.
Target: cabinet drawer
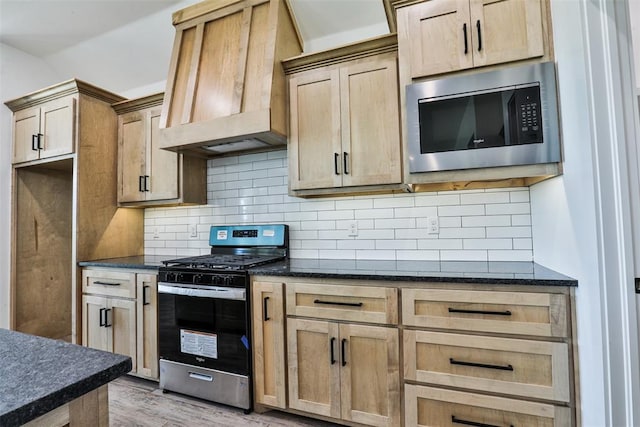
(426, 406)
(533, 369)
(522, 313)
(352, 303)
(111, 283)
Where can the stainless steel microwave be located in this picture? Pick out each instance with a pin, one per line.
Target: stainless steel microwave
(498, 118)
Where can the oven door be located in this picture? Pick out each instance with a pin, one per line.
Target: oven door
(204, 326)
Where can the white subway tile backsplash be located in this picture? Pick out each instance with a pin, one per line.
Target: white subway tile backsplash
(475, 225)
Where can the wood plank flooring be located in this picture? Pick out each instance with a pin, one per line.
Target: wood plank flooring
(134, 402)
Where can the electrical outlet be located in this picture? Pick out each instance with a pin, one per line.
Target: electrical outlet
(193, 230)
(353, 229)
(433, 226)
(156, 233)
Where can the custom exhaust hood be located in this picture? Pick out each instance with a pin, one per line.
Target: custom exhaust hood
(226, 89)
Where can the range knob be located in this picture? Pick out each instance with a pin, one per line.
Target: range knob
(197, 278)
(228, 281)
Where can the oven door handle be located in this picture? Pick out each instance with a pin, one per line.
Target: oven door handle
(203, 291)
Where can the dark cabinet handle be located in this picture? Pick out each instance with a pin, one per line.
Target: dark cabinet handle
(335, 163)
(106, 318)
(141, 183)
(146, 182)
(264, 309)
(479, 35)
(346, 162)
(466, 43)
(102, 319)
(480, 365)
(332, 357)
(106, 283)
(350, 304)
(343, 352)
(145, 300)
(40, 141)
(34, 138)
(493, 313)
(471, 423)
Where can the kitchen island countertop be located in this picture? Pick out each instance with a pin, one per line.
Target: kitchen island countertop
(39, 374)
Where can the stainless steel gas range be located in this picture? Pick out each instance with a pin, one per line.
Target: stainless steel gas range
(204, 317)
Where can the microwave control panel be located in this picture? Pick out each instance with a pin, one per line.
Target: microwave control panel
(528, 115)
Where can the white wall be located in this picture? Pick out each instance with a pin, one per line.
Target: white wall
(20, 73)
(634, 12)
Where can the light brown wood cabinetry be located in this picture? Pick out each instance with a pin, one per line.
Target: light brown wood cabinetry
(44, 131)
(442, 36)
(225, 82)
(147, 174)
(344, 119)
(269, 344)
(520, 353)
(64, 206)
(120, 314)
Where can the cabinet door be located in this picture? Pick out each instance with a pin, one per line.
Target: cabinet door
(268, 344)
(132, 156)
(315, 154)
(438, 35)
(26, 126)
(506, 30)
(57, 126)
(162, 165)
(314, 369)
(94, 334)
(370, 122)
(370, 376)
(121, 328)
(147, 325)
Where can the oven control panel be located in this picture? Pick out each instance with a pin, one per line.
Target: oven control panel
(203, 278)
(271, 235)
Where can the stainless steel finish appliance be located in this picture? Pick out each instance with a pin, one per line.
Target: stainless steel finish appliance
(204, 334)
(498, 118)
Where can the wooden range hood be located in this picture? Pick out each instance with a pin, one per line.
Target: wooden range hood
(226, 89)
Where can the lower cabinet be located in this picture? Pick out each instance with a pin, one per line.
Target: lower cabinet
(119, 314)
(456, 354)
(344, 371)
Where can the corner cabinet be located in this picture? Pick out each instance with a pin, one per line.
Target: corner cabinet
(119, 314)
(443, 35)
(344, 120)
(64, 206)
(148, 175)
(225, 83)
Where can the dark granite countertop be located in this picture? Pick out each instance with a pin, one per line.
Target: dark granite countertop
(146, 262)
(39, 374)
(492, 272)
(488, 272)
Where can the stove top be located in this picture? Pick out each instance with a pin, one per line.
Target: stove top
(222, 261)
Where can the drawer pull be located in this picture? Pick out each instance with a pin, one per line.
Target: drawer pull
(493, 313)
(472, 423)
(350, 304)
(480, 365)
(106, 283)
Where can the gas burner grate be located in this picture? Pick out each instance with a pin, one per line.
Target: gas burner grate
(221, 261)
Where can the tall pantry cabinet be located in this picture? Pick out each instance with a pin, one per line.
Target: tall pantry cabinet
(64, 206)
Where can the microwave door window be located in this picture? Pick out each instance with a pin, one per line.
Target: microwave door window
(447, 124)
(490, 131)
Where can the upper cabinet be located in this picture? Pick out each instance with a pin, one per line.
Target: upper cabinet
(226, 89)
(45, 130)
(449, 35)
(345, 119)
(148, 175)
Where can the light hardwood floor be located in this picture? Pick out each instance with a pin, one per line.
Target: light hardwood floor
(140, 403)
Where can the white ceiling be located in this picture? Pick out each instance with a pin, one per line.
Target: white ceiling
(126, 44)
(45, 27)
